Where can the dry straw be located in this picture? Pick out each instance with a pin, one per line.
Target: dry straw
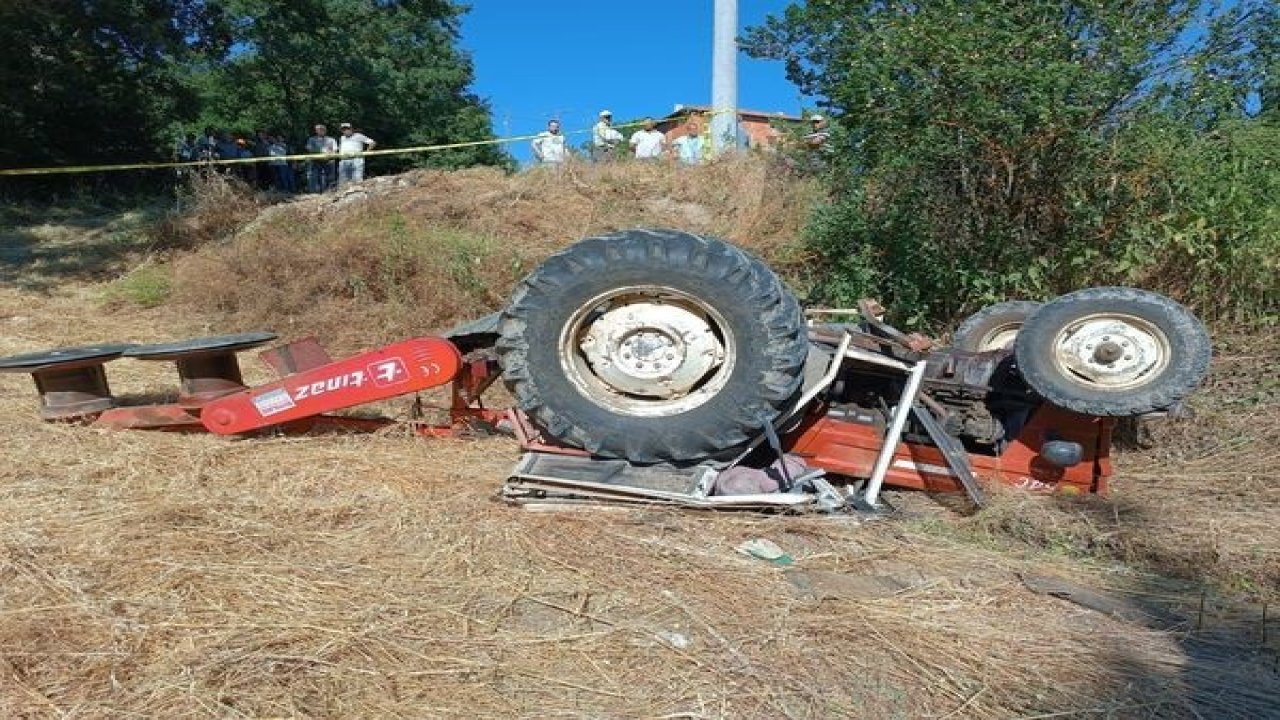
(165, 575)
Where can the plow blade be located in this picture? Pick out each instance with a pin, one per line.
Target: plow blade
(405, 367)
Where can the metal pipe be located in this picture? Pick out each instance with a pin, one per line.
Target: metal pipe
(724, 77)
(803, 403)
(894, 436)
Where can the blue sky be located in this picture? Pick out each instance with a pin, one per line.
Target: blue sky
(570, 59)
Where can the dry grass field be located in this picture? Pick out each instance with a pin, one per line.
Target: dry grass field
(159, 575)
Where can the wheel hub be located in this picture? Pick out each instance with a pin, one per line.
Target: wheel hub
(1112, 352)
(1108, 352)
(652, 349)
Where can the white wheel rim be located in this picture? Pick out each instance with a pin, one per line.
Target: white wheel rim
(1111, 351)
(647, 351)
(1000, 337)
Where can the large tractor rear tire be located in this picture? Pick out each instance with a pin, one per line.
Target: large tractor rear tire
(652, 345)
(1113, 351)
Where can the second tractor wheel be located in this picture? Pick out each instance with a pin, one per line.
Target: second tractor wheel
(994, 327)
(1113, 351)
(652, 345)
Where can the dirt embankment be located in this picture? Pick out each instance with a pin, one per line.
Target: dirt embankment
(163, 575)
(419, 252)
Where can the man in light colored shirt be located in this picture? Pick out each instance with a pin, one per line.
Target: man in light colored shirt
(818, 134)
(549, 146)
(281, 170)
(649, 142)
(689, 147)
(320, 171)
(604, 138)
(351, 169)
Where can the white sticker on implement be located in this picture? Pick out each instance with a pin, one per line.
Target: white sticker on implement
(272, 402)
(925, 468)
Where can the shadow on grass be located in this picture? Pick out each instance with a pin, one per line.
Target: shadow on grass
(37, 254)
(1226, 659)
(1203, 648)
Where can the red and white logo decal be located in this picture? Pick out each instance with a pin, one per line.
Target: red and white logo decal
(355, 378)
(388, 372)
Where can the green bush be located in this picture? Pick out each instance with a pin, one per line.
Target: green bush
(987, 151)
(1204, 220)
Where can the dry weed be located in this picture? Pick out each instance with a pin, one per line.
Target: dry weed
(163, 575)
(1198, 501)
(428, 249)
(212, 207)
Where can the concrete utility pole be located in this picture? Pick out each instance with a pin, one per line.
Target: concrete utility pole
(724, 77)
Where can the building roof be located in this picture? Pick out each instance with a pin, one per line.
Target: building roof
(682, 110)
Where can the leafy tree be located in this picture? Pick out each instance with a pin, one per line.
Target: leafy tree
(391, 67)
(103, 81)
(94, 82)
(988, 149)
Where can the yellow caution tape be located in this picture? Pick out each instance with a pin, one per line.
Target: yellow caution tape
(71, 169)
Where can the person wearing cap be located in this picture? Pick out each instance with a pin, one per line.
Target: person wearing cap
(818, 134)
(604, 138)
(320, 173)
(350, 146)
(247, 172)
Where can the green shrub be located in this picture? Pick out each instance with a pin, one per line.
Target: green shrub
(986, 151)
(1204, 221)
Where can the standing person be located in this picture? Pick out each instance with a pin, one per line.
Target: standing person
(352, 144)
(187, 150)
(207, 146)
(320, 174)
(282, 172)
(648, 143)
(226, 149)
(549, 146)
(818, 134)
(604, 138)
(689, 147)
(817, 147)
(262, 149)
(245, 171)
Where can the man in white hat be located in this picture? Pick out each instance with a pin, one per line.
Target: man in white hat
(350, 146)
(604, 138)
(818, 133)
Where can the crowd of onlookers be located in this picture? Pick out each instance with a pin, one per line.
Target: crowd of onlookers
(691, 147)
(271, 164)
(331, 162)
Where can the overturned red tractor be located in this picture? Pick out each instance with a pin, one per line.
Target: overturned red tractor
(654, 365)
(661, 346)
